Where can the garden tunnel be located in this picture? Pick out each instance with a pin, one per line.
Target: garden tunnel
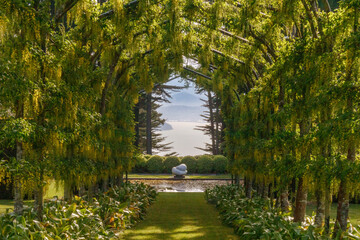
(286, 72)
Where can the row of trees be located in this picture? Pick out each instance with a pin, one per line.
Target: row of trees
(286, 73)
(71, 73)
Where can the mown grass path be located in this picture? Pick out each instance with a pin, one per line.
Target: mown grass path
(181, 216)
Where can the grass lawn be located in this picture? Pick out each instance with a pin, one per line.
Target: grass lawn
(354, 212)
(181, 216)
(188, 176)
(50, 191)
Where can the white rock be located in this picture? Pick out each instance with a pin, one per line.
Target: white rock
(179, 170)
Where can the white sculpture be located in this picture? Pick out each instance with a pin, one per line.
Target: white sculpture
(179, 170)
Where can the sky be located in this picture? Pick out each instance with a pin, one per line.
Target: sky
(183, 136)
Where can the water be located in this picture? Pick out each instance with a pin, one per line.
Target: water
(185, 138)
(183, 185)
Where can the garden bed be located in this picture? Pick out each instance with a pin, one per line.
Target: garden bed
(104, 217)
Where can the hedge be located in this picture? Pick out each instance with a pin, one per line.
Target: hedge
(155, 164)
(205, 164)
(220, 164)
(202, 164)
(170, 162)
(191, 164)
(140, 164)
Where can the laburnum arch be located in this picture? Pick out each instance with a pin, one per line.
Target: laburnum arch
(286, 71)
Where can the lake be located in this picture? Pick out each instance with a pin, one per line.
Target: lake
(185, 138)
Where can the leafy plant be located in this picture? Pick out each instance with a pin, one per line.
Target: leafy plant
(191, 163)
(254, 218)
(140, 164)
(170, 162)
(220, 164)
(155, 164)
(101, 218)
(205, 164)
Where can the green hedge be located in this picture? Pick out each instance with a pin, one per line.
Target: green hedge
(205, 164)
(140, 164)
(170, 162)
(220, 164)
(155, 164)
(191, 164)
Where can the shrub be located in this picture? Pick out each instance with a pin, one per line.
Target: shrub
(255, 219)
(170, 162)
(155, 164)
(205, 164)
(140, 164)
(147, 156)
(102, 218)
(191, 164)
(220, 164)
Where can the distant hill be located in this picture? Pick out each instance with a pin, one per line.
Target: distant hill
(184, 98)
(166, 127)
(182, 113)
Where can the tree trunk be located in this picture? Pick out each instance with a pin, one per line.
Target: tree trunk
(293, 192)
(248, 187)
(343, 196)
(260, 190)
(105, 184)
(301, 201)
(82, 191)
(328, 201)
(265, 193)
(284, 199)
(343, 208)
(107, 84)
(148, 125)
(18, 198)
(39, 198)
(67, 191)
(137, 130)
(120, 179)
(212, 120)
(320, 206)
(217, 130)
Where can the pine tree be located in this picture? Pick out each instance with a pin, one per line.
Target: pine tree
(214, 123)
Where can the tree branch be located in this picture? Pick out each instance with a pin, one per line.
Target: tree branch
(68, 6)
(310, 19)
(327, 5)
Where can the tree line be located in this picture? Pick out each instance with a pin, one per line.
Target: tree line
(286, 73)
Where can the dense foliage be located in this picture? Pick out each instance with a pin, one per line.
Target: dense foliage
(203, 164)
(257, 218)
(286, 72)
(170, 162)
(155, 164)
(190, 163)
(220, 164)
(104, 217)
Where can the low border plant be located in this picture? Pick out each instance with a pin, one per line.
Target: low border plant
(256, 219)
(104, 217)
